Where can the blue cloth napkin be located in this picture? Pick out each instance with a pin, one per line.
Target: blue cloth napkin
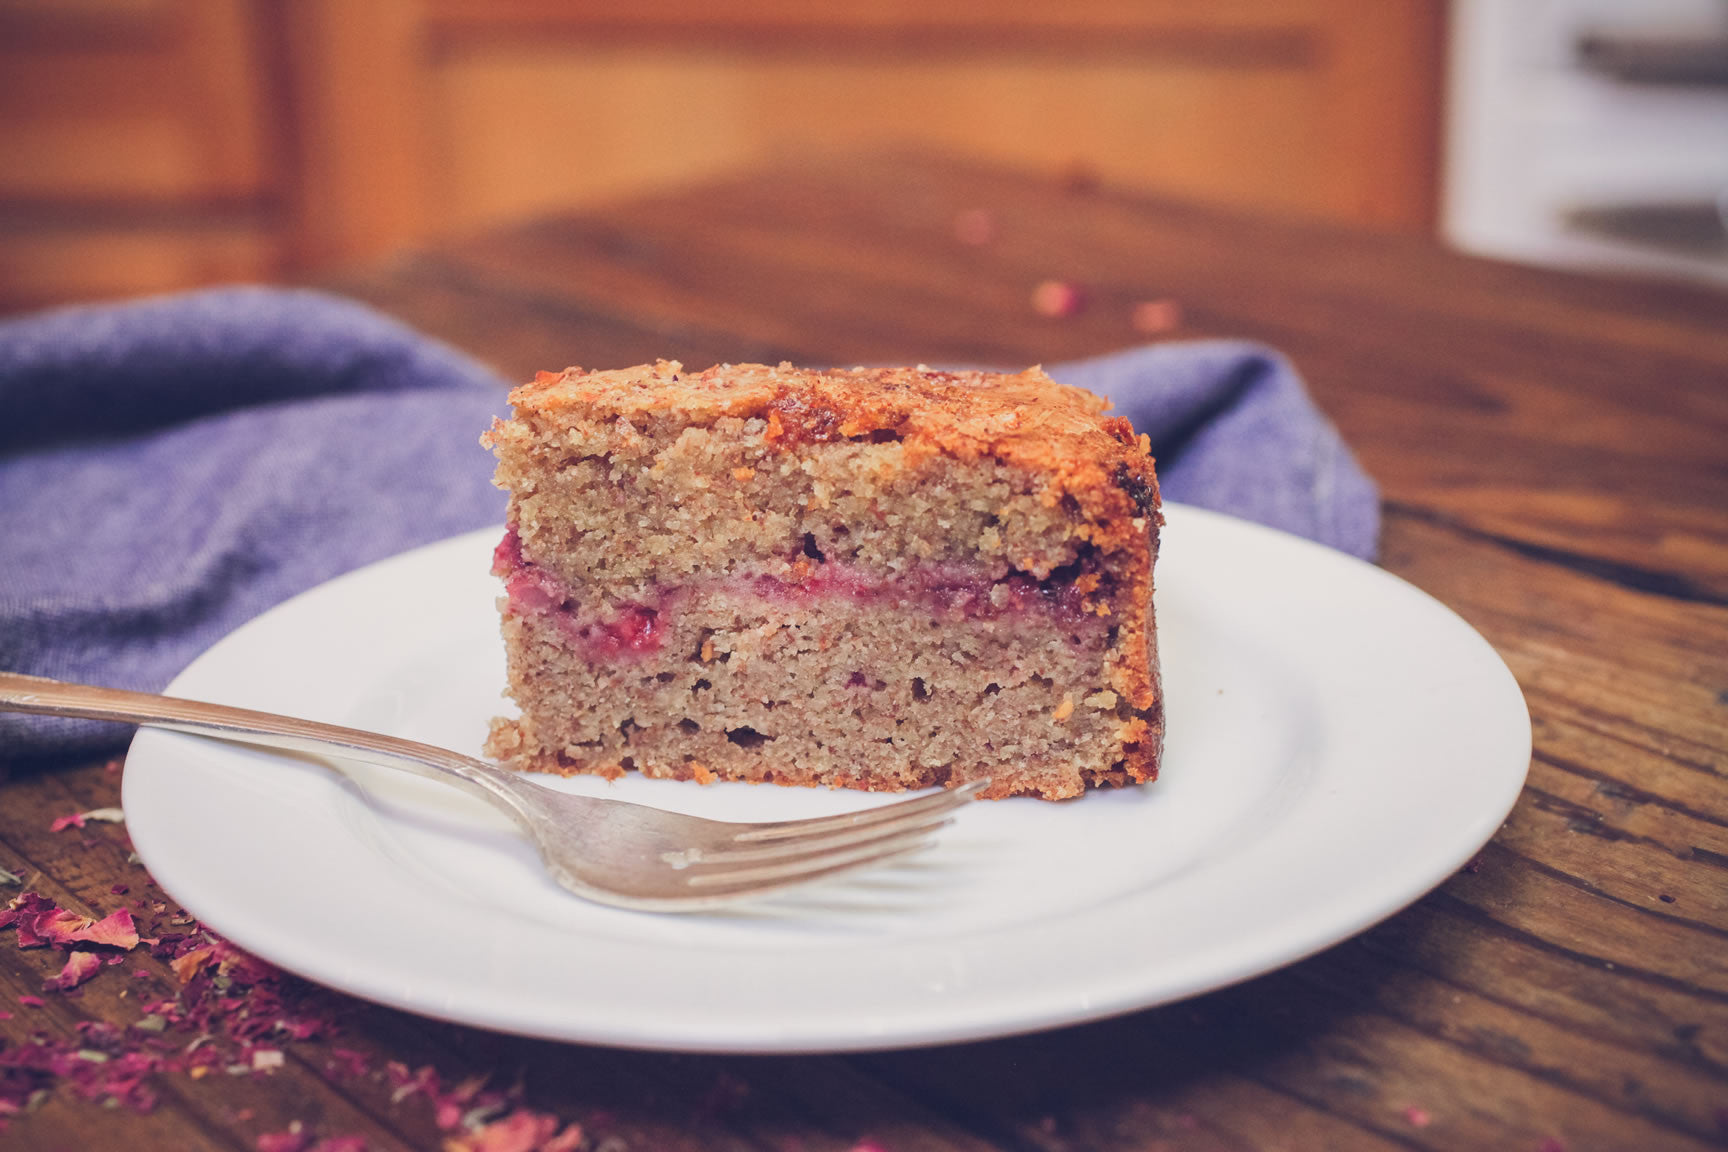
(171, 468)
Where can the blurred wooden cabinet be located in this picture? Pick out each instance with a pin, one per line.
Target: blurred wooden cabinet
(148, 144)
(137, 148)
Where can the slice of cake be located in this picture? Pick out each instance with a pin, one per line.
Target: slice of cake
(878, 579)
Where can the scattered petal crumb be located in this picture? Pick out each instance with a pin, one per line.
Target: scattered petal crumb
(340, 1144)
(31, 1001)
(80, 966)
(975, 226)
(1418, 1117)
(66, 928)
(1551, 1145)
(1058, 298)
(78, 819)
(294, 1139)
(521, 1131)
(1154, 317)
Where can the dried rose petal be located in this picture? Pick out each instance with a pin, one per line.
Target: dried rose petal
(340, 1144)
(522, 1131)
(189, 965)
(1418, 1117)
(1058, 298)
(80, 966)
(447, 1114)
(568, 1140)
(293, 1140)
(56, 925)
(66, 928)
(1153, 317)
(23, 911)
(70, 820)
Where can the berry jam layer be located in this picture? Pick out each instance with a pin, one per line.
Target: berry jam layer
(1068, 601)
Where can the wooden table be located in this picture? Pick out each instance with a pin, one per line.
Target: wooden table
(1553, 452)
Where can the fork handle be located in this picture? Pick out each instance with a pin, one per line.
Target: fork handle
(42, 697)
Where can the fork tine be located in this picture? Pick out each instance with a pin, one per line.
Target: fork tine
(786, 848)
(715, 893)
(797, 869)
(938, 801)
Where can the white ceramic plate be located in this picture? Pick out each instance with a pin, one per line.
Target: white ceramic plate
(1339, 744)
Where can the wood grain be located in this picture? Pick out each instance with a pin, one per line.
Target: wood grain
(354, 128)
(1552, 452)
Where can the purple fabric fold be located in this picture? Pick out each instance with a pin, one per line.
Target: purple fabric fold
(171, 468)
(1233, 429)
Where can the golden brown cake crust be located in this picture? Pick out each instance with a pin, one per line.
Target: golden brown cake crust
(1025, 419)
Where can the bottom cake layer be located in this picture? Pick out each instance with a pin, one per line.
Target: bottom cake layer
(811, 685)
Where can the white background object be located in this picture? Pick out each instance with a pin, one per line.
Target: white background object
(1533, 134)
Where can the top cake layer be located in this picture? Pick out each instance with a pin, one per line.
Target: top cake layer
(656, 475)
(1025, 420)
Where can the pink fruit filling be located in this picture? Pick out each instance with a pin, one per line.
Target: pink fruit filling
(620, 630)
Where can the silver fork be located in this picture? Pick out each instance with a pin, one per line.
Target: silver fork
(609, 851)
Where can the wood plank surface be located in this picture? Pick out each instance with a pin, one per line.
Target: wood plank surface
(1553, 452)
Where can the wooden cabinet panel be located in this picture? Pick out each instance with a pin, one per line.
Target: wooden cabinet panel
(485, 110)
(317, 132)
(136, 148)
(1322, 107)
(128, 101)
(522, 132)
